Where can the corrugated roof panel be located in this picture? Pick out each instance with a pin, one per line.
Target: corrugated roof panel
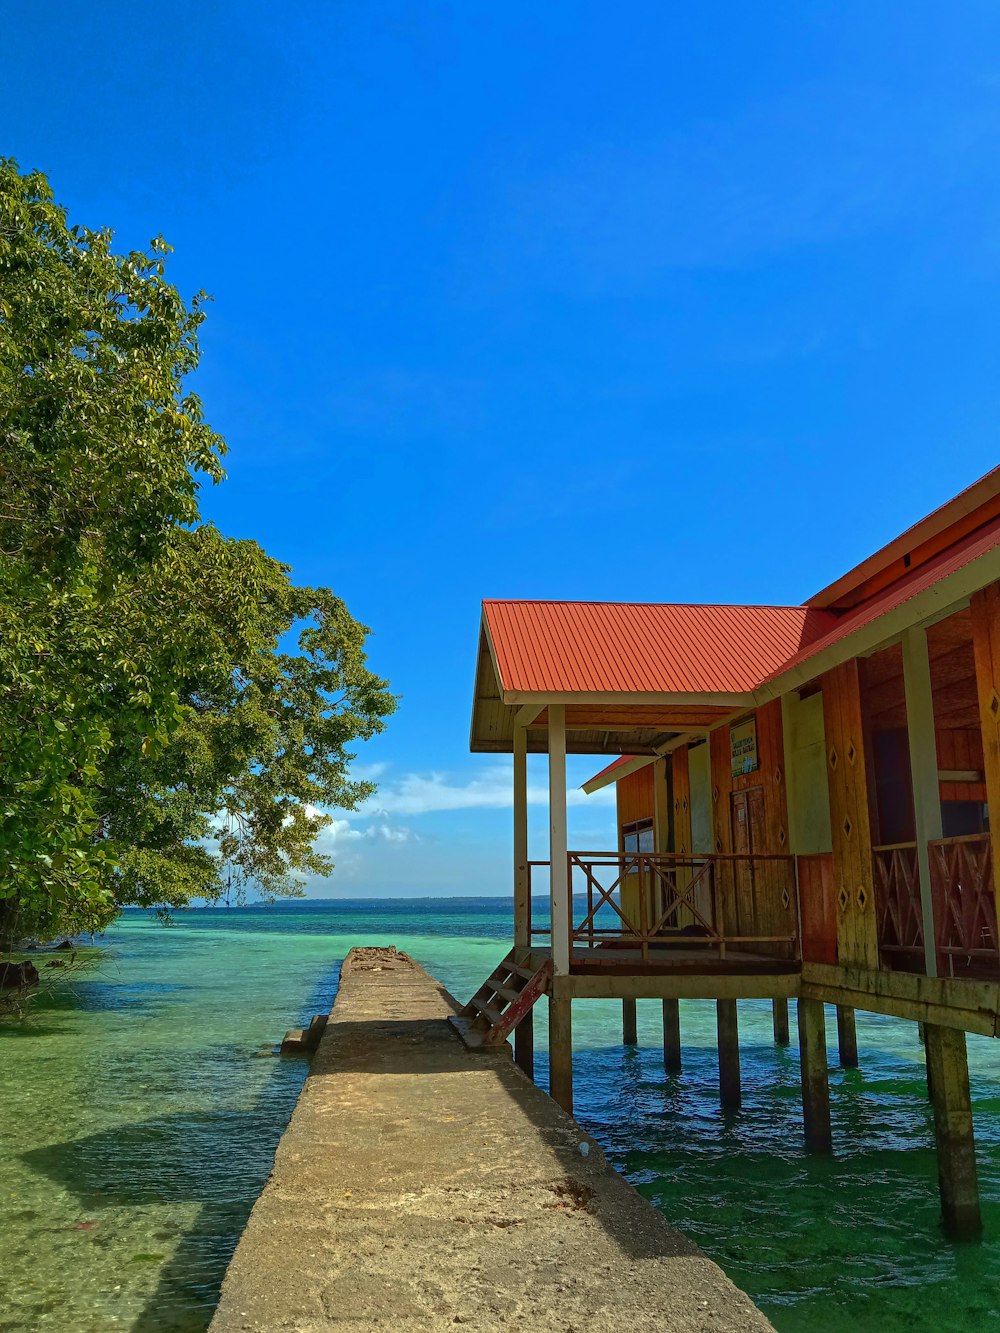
(606, 774)
(637, 648)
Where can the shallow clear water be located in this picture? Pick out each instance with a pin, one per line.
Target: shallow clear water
(141, 1105)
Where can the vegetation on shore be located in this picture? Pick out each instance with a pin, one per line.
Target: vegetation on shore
(175, 713)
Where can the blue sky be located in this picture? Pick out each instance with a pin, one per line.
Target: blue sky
(638, 302)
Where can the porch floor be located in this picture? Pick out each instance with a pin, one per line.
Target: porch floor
(698, 962)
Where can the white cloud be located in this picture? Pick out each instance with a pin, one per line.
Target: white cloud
(341, 831)
(489, 789)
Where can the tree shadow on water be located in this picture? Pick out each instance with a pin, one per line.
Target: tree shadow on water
(218, 1159)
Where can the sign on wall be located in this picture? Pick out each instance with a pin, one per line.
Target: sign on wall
(743, 747)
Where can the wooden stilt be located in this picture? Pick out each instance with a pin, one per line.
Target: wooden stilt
(561, 1051)
(948, 1080)
(524, 1044)
(729, 1054)
(672, 1036)
(630, 1034)
(779, 1021)
(815, 1079)
(847, 1037)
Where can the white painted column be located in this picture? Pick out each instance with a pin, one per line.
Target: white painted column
(924, 772)
(789, 702)
(522, 877)
(661, 834)
(558, 864)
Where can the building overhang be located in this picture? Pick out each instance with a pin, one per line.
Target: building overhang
(597, 722)
(639, 679)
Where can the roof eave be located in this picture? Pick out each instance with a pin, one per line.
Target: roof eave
(926, 529)
(934, 603)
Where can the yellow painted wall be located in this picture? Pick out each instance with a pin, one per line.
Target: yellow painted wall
(699, 768)
(808, 784)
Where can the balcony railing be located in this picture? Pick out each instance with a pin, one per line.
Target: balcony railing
(899, 921)
(653, 905)
(965, 913)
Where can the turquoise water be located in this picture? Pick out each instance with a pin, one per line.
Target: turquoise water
(141, 1104)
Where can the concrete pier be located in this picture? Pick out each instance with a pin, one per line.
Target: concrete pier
(422, 1186)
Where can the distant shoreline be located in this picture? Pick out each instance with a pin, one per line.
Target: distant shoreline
(298, 903)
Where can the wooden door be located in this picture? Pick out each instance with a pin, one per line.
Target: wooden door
(748, 836)
(818, 908)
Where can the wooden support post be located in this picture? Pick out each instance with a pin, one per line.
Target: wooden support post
(921, 1029)
(779, 1022)
(847, 1037)
(560, 903)
(561, 1051)
(815, 1078)
(948, 1083)
(850, 822)
(672, 1036)
(729, 1054)
(522, 876)
(924, 771)
(524, 1044)
(630, 1034)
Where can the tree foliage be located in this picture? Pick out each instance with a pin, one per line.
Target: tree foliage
(175, 714)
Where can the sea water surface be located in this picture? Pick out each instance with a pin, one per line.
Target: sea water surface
(141, 1104)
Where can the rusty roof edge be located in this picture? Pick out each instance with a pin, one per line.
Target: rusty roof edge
(493, 652)
(619, 768)
(691, 606)
(870, 634)
(931, 525)
(483, 634)
(622, 698)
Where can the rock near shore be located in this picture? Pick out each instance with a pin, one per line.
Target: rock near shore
(18, 976)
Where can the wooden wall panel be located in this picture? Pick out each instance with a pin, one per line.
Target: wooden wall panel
(850, 819)
(757, 902)
(635, 797)
(960, 748)
(635, 801)
(722, 829)
(985, 609)
(818, 908)
(776, 904)
(682, 800)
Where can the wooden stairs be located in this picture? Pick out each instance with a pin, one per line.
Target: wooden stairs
(506, 996)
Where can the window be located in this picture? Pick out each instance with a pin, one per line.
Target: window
(637, 837)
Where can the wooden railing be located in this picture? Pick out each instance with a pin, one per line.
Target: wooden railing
(965, 914)
(899, 921)
(655, 903)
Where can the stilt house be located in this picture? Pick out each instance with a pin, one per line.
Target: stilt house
(804, 799)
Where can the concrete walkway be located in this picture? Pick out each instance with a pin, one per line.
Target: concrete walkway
(421, 1186)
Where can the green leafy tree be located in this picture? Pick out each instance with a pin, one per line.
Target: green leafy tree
(174, 712)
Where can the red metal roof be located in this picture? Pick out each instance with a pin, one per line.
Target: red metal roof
(963, 553)
(640, 648)
(613, 767)
(608, 774)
